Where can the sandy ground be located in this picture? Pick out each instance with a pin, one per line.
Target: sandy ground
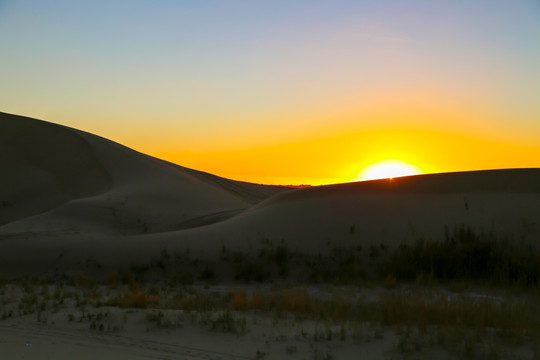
(268, 341)
(88, 332)
(91, 331)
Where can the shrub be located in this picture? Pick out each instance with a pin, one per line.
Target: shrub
(84, 280)
(208, 273)
(248, 270)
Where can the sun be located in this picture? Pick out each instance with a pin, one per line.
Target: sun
(388, 169)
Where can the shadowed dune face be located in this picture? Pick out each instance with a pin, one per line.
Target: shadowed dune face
(44, 165)
(74, 181)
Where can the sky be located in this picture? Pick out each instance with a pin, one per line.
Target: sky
(281, 91)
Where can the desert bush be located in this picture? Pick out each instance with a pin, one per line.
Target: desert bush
(224, 321)
(390, 282)
(342, 266)
(239, 300)
(111, 279)
(28, 303)
(280, 256)
(199, 302)
(162, 319)
(183, 277)
(102, 321)
(208, 273)
(247, 270)
(85, 281)
(291, 349)
(137, 273)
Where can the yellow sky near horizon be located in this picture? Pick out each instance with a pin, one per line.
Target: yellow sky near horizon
(430, 128)
(341, 158)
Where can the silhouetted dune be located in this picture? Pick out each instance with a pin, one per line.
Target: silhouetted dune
(73, 177)
(44, 165)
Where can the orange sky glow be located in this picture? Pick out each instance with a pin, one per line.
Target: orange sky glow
(275, 92)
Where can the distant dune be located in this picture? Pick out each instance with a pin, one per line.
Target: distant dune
(69, 198)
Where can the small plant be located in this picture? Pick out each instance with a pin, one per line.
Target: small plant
(226, 322)
(182, 277)
(390, 282)
(248, 270)
(342, 333)
(85, 281)
(407, 344)
(208, 273)
(111, 280)
(291, 349)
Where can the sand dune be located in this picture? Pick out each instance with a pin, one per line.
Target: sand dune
(80, 182)
(44, 165)
(506, 202)
(71, 198)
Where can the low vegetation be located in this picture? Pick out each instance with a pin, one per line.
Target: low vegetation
(420, 293)
(418, 318)
(470, 256)
(464, 255)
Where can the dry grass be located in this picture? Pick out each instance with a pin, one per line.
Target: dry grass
(134, 297)
(509, 321)
(470, 326)
(297, 302)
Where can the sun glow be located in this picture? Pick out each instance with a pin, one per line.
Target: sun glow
(388, 169)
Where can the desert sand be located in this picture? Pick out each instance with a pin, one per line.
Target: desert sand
(72, 202)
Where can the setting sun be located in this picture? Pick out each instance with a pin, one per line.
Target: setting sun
(388, 169)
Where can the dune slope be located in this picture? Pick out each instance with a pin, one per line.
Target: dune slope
(73, 181)
(44, 165)
(506, 202)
